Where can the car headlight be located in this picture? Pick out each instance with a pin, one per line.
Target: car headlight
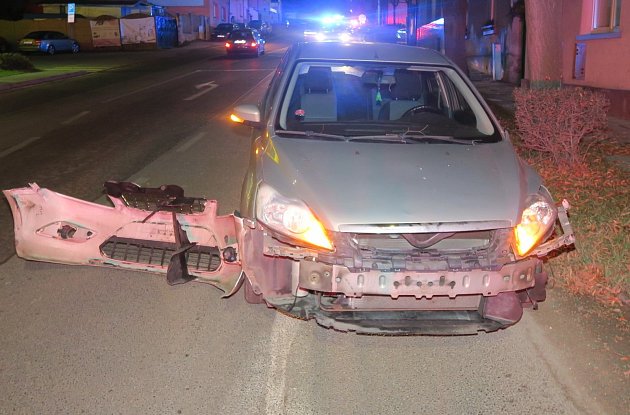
(290, 217)
(537, 221)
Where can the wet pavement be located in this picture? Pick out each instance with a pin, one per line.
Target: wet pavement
(497, 93)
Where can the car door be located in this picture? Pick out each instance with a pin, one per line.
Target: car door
(148, 229)
(55, 40)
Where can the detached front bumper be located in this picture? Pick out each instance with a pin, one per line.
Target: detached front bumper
(156, 230)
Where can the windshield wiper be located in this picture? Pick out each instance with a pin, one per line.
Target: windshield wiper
(312, 134)
(416, 136)
(410, 137)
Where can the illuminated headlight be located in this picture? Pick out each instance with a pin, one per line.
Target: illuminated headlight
(536, 224)
(290, 217)
(344, 37)
(320, 37)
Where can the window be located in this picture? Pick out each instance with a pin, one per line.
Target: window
(215, 10)
(606, 15)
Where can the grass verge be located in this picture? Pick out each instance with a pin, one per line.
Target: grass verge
(598, 191)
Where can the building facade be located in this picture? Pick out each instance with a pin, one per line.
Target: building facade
(596, 49)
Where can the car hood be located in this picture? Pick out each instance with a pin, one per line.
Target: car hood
(351, 183)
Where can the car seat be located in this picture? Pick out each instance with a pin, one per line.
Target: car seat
(406, 93)
(318, 100)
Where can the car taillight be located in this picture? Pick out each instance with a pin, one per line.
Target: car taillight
(227, 45)
(254, 44)
(37, 42)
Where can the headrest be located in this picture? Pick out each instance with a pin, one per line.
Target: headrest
(318, 79)
(408, 85)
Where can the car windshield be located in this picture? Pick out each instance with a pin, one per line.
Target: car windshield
(224, 26)
(372, 99)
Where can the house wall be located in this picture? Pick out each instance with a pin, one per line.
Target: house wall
(607, 56)
(238, 11)
(607, 59)
(196, 18)
(479, 46)
(95, 11)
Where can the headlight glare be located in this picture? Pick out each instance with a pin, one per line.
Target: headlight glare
(290, 217)
(536, 223)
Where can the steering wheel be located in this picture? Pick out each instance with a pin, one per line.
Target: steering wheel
(420, 108)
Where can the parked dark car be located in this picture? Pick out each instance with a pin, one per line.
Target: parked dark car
(48, 42)
(245, 42)
(222, 30)
(263, 27)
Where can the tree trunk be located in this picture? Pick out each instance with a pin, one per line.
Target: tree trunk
(454, 12)
(543, 52)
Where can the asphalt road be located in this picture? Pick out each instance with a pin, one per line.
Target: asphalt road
(92, 340)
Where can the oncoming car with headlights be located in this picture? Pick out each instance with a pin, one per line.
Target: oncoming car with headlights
(382, 196)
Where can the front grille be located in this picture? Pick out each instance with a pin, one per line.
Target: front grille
(434, 241)
(199, 258)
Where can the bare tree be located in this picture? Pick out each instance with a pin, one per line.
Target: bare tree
(543, 51)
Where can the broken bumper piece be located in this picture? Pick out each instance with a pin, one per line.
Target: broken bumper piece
(148, 229)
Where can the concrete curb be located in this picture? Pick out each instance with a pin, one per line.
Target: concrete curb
(5, 86)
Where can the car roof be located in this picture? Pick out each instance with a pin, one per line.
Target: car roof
(387, 52)
(43, 32)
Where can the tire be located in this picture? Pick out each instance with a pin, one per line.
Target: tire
(75, 47)
(51, 50)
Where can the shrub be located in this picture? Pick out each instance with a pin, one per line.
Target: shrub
(556, 121)
(15, 62)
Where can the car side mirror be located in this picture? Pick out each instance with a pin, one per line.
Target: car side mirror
(247, 114)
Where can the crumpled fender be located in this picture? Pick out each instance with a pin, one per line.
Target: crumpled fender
(56, 228)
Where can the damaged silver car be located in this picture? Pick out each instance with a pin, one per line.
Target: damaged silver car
(382, 196)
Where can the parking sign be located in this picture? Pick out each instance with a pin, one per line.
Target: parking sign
(71, 10)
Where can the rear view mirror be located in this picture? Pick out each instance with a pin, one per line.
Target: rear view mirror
(247, 114)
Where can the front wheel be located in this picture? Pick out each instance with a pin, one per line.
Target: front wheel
(75, 47)
(51, 50)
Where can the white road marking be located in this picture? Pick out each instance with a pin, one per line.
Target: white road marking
(18, 146)
(209, 86)
(148, 87)
(76, 117)
(283, 332)
(190, 142)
